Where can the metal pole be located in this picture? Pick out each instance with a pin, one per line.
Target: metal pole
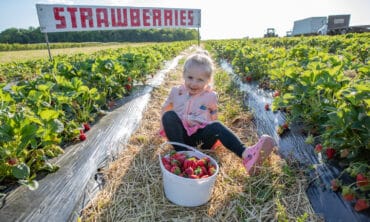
(47, 43)
(198, 37)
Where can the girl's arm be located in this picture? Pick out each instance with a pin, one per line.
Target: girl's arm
(213, 108)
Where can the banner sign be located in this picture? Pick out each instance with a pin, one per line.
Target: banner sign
(65, 18)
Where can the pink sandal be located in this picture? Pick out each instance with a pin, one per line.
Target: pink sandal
(257, 153)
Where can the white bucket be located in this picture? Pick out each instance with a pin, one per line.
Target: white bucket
(188, 192)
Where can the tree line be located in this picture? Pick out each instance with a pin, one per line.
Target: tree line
(34, 35)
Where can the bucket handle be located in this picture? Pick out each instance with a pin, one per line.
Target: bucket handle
(183, 145)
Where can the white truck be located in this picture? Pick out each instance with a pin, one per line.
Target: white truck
(331, 25)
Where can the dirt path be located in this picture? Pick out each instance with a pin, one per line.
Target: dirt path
(134, 190)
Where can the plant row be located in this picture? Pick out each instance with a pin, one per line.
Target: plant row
(322, 83)
(42, 114)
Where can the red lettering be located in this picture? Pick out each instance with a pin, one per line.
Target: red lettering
(146, 17)
(72, 13)
(120, 22)
(57, 16)
(135, 17)
(182, 17)
(190, 17)
(176, 17)
(167, 17)
(86, 15)
(157, 17)
(102, 19)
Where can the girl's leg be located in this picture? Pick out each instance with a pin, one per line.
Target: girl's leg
(174, 129)
(217, 131)
(252, 156)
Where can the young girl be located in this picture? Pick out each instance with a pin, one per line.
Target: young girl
(189, 116)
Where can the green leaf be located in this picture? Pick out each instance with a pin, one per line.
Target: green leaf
(21, 171)
(49, 114)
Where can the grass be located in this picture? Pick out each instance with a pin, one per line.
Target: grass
(134, 190)
(24, 55)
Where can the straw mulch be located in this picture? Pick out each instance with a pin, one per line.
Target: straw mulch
(134, 190)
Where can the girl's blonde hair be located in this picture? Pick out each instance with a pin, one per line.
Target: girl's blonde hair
(200, 58)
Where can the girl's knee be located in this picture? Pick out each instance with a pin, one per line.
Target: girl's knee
(216, 125)
(169, 116)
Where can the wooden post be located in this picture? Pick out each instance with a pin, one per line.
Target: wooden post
(47, 43)
(198, 37)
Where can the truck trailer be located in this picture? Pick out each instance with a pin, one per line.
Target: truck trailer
(308, 26)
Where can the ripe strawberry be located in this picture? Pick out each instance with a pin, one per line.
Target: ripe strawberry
(361, 180)
(167, 166)
(175, 170)
(82, 135)
(86, 127)
(318, 148)
(267, 106)
(348, 194)
(128, 87)
(276, 93)
(198, 171)
(248, 78)
(193, 176)
(179, 157)
(330, 152)
(361, 204)
(285, 125)
(189, 171)
(190, 162)
(203, 162)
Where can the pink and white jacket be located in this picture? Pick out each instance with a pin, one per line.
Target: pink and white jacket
(195, 111)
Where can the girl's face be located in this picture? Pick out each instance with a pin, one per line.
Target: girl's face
(196, 80)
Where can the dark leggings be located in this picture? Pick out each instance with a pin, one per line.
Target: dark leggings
(206, 137)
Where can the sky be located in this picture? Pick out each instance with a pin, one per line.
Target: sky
(219, 19)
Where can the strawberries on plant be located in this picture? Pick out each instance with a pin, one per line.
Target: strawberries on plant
(248, 78)
(267, 106)
(86, 127)
(330, 152)
(82, 135)
(348, 194)
(361, 180)
(276, 93)
(361, 204)
(285, 125)
(128, 87)
(318, 148)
